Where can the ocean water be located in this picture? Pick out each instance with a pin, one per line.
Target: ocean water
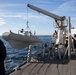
(17, 57)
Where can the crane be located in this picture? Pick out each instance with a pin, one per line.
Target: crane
(58, 19)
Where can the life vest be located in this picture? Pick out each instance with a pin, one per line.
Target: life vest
(66, 41)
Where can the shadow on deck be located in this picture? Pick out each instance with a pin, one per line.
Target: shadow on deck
(49, 67)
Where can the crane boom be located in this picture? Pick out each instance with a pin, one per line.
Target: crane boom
(56, 17)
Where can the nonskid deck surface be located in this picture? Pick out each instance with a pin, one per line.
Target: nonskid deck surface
(48, 68)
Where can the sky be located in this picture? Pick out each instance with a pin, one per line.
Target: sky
(13, 15)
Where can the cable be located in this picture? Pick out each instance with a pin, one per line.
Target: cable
(27, 18)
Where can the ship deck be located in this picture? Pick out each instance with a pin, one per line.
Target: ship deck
(48, 67)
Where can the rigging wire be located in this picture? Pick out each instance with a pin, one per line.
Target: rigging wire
(27, 28)
(27, 18)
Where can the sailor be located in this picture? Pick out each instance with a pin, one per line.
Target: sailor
(30, 33)
(74, 40)
(66, 41)
(54, 37)
(2, 58)
(55, 34)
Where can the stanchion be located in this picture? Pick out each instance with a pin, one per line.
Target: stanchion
(29, 54)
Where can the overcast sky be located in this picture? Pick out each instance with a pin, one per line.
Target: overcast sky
(13, 15)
